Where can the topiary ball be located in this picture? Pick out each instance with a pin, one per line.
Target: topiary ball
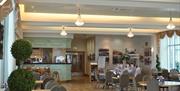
(21, 50)
(21, 80)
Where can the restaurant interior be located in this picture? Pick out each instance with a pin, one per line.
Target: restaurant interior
(90, 45)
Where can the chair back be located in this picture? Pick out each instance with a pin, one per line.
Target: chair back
(56, 76)
(58, 88)
(165, 74)
(109, 76)
(46, 86)
(46, 81)
(147, 77)
(124, 80)
(153, 85)
(50, 84)
(98, 77)
(173, 75)
(36, 75)
(44, 76)
(139, 78)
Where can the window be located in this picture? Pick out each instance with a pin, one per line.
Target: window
(170, 52)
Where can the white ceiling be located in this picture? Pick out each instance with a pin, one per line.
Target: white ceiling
(145, 9)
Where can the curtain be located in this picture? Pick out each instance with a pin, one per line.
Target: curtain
(169, 33)
(170, 52)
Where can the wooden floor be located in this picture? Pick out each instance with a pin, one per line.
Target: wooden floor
(81, 84)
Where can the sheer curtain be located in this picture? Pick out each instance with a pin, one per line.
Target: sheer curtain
(170, 52)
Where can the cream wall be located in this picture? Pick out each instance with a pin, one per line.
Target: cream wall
(114, 42)
(78, 44)
(120, 42)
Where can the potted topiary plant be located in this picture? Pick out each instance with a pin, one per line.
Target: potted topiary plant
(21, 50)
(158, 63)
(20, 79)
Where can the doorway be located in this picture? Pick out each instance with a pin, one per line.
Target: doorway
(78, 62)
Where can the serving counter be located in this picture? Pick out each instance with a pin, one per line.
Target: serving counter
(64, 69)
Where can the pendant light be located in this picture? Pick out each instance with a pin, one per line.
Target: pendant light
(130, 33)
(63, 32)
(79, 21)
(170, 24)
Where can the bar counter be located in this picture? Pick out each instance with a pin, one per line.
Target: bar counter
(64, 69)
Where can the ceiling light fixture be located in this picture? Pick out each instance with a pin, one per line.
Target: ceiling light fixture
(170, 24)
(130, 33)
(79, 21)
(63, 32)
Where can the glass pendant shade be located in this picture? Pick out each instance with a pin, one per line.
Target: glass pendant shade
(63, 32)
(79, 21)
(130, 34)
(170, 25)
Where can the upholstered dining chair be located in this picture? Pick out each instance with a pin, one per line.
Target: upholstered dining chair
(124, 81)
(152, 85)
(36, 75)
(44, 76)
(56, 76)
(165, 74)
(137, 79)
(45, 81)
(47, 85)
(108, 79)
(147, 77)
(50, 84)
(58, 88)
(100, 81)
(173, 75)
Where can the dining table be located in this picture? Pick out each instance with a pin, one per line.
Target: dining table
(166, 84)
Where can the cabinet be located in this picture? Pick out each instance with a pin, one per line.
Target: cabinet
(64, 70)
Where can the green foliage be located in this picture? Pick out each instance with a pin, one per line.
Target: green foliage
(21, 50)
(21, 80)
(158, 63)
(177, 66)
(125, 57)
